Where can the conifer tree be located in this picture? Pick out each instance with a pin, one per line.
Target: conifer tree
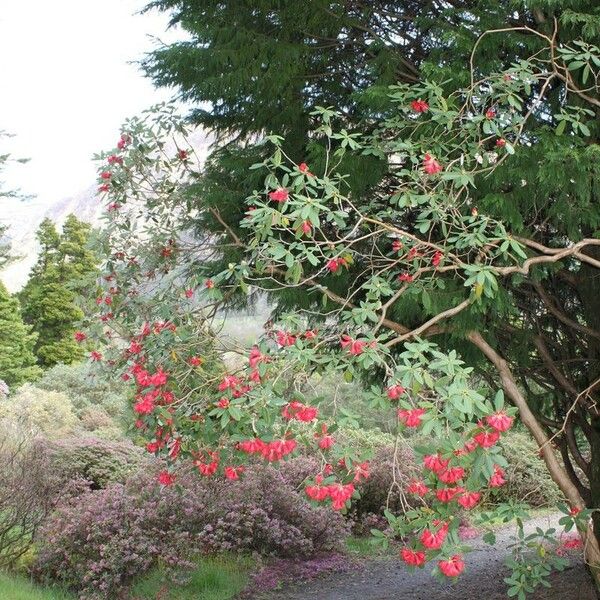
(50, 296)
(17, 361)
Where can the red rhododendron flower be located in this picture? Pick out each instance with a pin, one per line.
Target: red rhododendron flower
(497, 479)
(340, 494)
(306, 227)
(430, 165)
(105, 175)
(95, 356)
(209, 284)
(195, 361)
(419, 106)
(283, 339)
(135, 347)
(435, 463)
(182, 155)
(233, 473)
(418, 488)
(406, 277)
(228, 382)
(397, 245)
(159, 378)
(490, 113)
(207, 469)
(79, 336)
(452, 475)
(303, 168)
(105, 187)
(279, 195)
(437, 258)
(326, 442)
(395, 391)
(500, 143)
(354, 347)
(486, 439)
(361, 472)
(189, 293)
(223, 403)
(300, 412)
(500, 421)
(317, 492)
(113, 159)
(145, 406)
(434, 541)
(166, 478)
(335, 263)
(412, 557)
(447, 494)
(469, 499)
(452, 567)
(256, 357)
(412, 417)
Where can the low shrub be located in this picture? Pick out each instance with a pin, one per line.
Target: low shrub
(40, 412)
(98, 542)
(99, 462)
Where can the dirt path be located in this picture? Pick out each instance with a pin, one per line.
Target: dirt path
(388, 579)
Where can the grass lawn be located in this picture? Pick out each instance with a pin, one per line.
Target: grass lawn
(215, 578)
(13, 587)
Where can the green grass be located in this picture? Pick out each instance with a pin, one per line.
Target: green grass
(13, 587)
(215, 578)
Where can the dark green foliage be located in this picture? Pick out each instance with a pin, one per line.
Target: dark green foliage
(50, 298)
(17, 361)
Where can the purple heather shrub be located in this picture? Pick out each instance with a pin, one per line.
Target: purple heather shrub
(98, 542)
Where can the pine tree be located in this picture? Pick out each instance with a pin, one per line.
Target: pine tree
(17, 360)
(50, 296)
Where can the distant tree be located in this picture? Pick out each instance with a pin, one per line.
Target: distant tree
(50, 296)
(17, 360)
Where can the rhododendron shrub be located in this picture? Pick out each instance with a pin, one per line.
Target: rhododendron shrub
(365, 263)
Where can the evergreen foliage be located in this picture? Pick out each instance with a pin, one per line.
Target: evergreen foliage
(50, 297)
(17, 361)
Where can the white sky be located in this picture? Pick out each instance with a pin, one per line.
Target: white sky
(66, 85)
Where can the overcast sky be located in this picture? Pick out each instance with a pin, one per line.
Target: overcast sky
(67, 84)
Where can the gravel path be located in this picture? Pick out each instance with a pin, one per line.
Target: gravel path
(388, 579)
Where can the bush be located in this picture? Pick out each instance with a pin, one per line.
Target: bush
(527, 478)
(39, 411)
(28, 493)
(96, 461)
(98, 542)
(87, 389)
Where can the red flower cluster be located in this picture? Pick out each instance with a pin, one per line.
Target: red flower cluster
(339, 493)
(279, 195)
(412, 557)
(452, 567)
(419, 106)
(430, 165)
(271, 451)
(300, 412)
(356, 347)
(79, 336)
(412, 417)
(395, 391)
(334, 264)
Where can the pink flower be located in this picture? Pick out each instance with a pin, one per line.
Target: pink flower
(500, 421)
(452, 567)
(306, 227)
(300, 412)
(303, 168)
(105, 187)
(113, 159)
(209, 284)
(354, 347)
(166, 478)
(437, 258)
(284, 339)
(335, 263)
(79, 336)
(490, 113)
(412, 557)
(105, 175)
(95, 356)
(189, 293)
(326, 442)
(195, 361)
(279, 195)
(430, 165)
(145, 406)
(419, 106)
(182, 155)
(397, 245)
(406, 277)
(500, 143)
